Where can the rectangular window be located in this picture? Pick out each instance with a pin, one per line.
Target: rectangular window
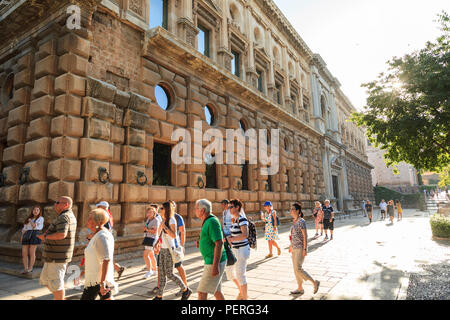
(235, 64)
(278, 93)
(244, 176)
(162, 164)
(269, 183)
(260, 80)
(203, 40)
(159, 14)
(211, 177)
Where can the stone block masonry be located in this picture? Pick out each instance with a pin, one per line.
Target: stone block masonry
(84, 121)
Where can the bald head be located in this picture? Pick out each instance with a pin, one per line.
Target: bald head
(63, 203)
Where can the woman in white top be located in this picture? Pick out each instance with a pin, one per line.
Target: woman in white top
(240, 247)
(168, 234)
(99, 266)
(150, 238)
(33, 224)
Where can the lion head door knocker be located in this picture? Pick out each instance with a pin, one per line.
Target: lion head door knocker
(103, 175)
(200, 182)
(141, 178)
(24, 173)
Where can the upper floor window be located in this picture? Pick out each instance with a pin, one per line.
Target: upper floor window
(159, 13)
(278, 93)
(203, 40)
(260, 83)
(235, 63)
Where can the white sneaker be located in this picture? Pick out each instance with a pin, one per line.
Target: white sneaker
(148, 274)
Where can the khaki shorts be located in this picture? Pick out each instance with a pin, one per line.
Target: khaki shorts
(209, 284)
(52, 276)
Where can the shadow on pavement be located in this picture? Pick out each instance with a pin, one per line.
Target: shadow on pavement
(387, 282)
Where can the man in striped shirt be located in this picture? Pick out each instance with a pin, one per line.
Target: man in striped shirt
(59, 242)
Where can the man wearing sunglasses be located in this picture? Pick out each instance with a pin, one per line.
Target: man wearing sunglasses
(59, 242)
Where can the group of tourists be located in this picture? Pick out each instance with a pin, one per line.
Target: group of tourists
(388, 208)
(225, 247)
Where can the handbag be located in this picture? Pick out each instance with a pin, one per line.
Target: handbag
(231, 259)
(177, 254)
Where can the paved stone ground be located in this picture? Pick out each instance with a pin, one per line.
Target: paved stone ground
(369, 262)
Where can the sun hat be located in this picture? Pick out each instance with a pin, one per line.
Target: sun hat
(103, 204)
(267, 204)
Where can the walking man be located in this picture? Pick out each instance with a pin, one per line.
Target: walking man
(383, 208)
(213, 252)
(59, 242)
(328, 219)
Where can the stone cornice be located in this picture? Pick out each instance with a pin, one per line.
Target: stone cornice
(32, 12)
(279, 20)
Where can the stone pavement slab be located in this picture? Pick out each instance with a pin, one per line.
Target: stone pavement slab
(364, 261)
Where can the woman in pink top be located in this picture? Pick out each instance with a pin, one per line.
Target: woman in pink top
(318, 215)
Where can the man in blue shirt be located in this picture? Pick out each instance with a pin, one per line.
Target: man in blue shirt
(328, 219)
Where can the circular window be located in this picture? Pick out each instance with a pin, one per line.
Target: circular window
(209, 115)
(8, 89)
(162, 97)
(242, 125)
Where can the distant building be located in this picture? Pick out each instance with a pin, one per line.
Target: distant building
(384, 176)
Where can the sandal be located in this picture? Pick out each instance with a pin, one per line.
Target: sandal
(269, 256)
(299, 292)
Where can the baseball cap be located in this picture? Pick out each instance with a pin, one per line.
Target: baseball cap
(103, 204)
(267, 204)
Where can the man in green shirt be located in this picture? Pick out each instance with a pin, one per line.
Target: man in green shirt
(213, 252)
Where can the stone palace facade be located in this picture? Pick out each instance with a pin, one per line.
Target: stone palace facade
(89, 112)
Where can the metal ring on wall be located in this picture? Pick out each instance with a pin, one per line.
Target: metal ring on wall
(200, 183)
(141, 174)
(24, 175)
(101, 172)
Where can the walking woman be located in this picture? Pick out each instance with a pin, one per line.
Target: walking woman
(369, 209)
(167, 243)
(318, 215)
(99, 265)
(269, 216)
(299, 249)
(399, 210)
(33, 224)
(150, 237)
(390, 210)
(240, 247)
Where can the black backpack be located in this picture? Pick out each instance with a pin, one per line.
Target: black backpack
(251, 234)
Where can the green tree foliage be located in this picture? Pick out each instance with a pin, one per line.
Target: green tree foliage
(408, 108)
(444, 177)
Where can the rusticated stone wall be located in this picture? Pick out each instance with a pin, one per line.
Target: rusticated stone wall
(84, 119)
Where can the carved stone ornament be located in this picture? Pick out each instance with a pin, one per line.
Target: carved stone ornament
(136, 6)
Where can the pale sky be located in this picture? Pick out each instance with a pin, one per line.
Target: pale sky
(357, 37)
